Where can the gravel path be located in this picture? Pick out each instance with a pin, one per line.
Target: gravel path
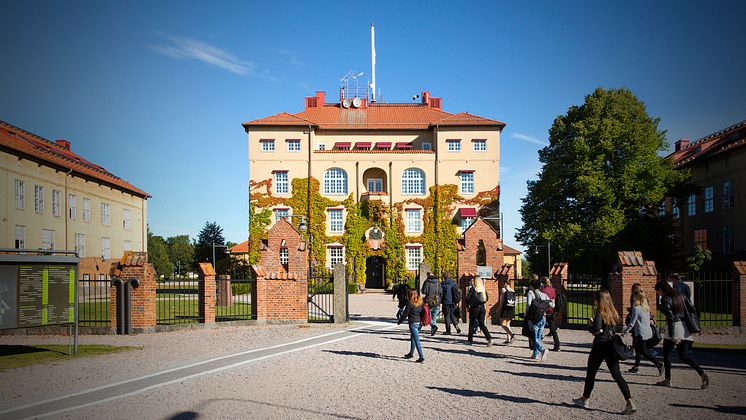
(366, 377)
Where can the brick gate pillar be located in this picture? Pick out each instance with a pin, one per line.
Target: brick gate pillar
(632, 269)
(206, 293)
(224, 293)
(558, 276)
(279, 297)
(739, 293)
(135, 265)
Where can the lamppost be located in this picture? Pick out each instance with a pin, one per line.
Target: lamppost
(549, 255)
(215, 263)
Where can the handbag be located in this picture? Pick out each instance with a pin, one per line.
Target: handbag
(457, 312)
(527, 331)
(692, 322)
(655, 339)
(621, 350)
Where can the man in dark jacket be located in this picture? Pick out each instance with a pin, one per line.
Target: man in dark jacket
(450, 295)
(432, 295)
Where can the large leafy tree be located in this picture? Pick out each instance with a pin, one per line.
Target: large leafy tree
(601, 167)
(181, 252)
(158, 254)
(210, 234)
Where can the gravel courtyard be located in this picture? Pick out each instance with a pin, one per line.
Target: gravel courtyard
(363, 375)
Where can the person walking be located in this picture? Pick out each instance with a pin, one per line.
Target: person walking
(432, 294)
(476, 298)
(537, 324)
(640, 325)
(400, 292)
(604, 324)
(506, 309)
(675, 308)
(551, 292)
(451, 297)
(413, 315)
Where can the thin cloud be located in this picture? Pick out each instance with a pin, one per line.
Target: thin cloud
(183, 48)
(292, 56)
(528, 138)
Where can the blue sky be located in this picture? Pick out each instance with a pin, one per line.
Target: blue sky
(156, 91)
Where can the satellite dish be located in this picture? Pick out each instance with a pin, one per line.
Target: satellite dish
(346, 102)
(356, 102)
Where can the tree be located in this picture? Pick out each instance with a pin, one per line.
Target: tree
(181, 253)
(158, 255)
(601, 167)
(210, 234)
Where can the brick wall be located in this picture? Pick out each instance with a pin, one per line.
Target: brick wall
(633, 269)
(206, 293)
(739, 293)
(467, 261)
(283, 234)
(279, 297)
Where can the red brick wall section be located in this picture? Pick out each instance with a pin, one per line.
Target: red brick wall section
(739, 293)
(206, 293)
(297, 252)
(633, 270)
(143, 306)
(224, 291)
(279, 297)
(467, 260)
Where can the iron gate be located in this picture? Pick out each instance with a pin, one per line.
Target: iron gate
(579, 291)
(321, 297)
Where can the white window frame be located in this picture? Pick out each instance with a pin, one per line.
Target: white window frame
(80, 244)
(20, 194)
(127, 245)
(336, 255)
(127, 219)
(414, 257)
(72, 206)
(413, 181)
(453, 145)
(414, 220)
(105, 214)
(281, 213)
(376, 183)
(284, 256)
(86, 209)
(467, 183)
(479, 145)
(466, 222)
(39, 199)
(47, 239)
(20, 241)
(709, 201)
(106, 247)
(282, 182)
(268, 145)
(56, 203)
(336, 220)
(335, 181)
(293, 145)
(691, 205)
(728, 195)
(322, 146)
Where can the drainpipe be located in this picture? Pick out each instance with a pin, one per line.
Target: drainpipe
(391, 196)
(308, 209)
(357, 182)
(66, 205)
(435, 210)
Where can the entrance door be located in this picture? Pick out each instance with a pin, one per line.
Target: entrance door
(375, 270)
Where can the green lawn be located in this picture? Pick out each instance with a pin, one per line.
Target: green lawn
(12, 356)
(169, 311)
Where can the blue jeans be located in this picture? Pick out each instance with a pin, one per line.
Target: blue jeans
(538, 330)
(434, 312)
(414, 339)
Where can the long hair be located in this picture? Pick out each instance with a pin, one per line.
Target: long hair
(414, 296)
(639, 299)
(479, 284)
(667, 290)
(635, 288)
(605, 307)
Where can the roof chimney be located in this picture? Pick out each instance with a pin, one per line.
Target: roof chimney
(426, 98)
(63, 143)
(321, 98)
(681, 144)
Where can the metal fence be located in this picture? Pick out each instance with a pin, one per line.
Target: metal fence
(712, 294)
(177, 301)
(233, 299)
(321, 297)
(579, 292)
(93, 303)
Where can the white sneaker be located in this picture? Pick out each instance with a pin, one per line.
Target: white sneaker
(580, 402)
(630, 408)
(544, 355)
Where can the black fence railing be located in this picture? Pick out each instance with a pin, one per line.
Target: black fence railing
(579, 292)
(233, 299)
(93, 303)
(177, 301)
(321, 297)
(712, 297)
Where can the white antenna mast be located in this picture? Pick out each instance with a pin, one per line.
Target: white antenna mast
(373, 58)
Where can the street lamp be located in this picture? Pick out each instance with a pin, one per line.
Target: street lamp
(549, 255)
(215, 263)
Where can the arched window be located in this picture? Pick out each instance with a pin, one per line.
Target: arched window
(413, 182)
(335, 182)
(481, 253)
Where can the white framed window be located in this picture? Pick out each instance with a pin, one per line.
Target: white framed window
(38, 198)
(414, 220)
(467, 182)
(105, 214)
(293, 145)
(284, 257)
(127, 219)
(20, 194)
(709, 199)
(336, 255)
(662, 208)
(268, 145)
(466, 222)
(80, 244)
(414, 257)
(727, 195)
(20, 237)
(691, 205)
(127, 245)
(413, 182)
(675, 210)
(454, 145)
(281, 213)
(336, 222)
(335, 182)
(728, 239)
(375, 185)
(47, 239)
(427, 146)
(281, 182)
(72, 206)
(322, 146)
(105, 247)
(56, 203)
(479, 145)
(86, 209)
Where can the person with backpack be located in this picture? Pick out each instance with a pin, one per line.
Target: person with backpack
(551, 292)
(432, 293)
(476, 298)
(413, 313)
(400, 292)
(506, 309)
(604, 325)
(537, 303)
(639, 324)
(451, 294)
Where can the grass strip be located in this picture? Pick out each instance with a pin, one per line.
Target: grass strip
(17, 356)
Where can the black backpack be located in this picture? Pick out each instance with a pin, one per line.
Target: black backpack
(510, 298)
(456, 294)
(537, 309)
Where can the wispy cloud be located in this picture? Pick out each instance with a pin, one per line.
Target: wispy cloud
(528, 138)
(292, 56)
(184, 48)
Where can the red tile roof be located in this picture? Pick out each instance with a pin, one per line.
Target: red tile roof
(31, 146)
(375, 116)
(241, 248)
(720, 142)
(510, 251)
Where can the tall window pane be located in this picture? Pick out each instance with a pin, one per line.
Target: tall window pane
(413, 182)
(335, 182)
(336, 255)
(281, 183)
(105, 247)
(47, 239)
(691, 205)
(105, 216)
(414, 257)
(20, 237)
(335, 221)
(414, 221)
(727, 195)
(39, 198)
(127, 219)
(467, 182)
(72, 206)
(20, 194)
(709, 199)
(86, 210)
(80, 244)
(56, 203)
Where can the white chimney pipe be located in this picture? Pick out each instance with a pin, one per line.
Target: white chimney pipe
(373, 58)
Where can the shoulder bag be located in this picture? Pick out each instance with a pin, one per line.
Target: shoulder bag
(621, 350)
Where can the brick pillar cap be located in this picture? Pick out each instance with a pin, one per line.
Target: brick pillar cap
(740, 267)
(558, 269)
(206, 269)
